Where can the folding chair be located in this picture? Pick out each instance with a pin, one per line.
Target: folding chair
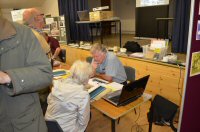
(162, 111)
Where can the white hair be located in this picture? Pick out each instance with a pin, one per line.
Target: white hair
(98, 47)
(81, 71)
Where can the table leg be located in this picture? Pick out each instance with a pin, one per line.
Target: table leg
(91, 29)
(113, 125)
(120, 35)
(78, 35)
(157, 29)
(101, 32)
(151, 117)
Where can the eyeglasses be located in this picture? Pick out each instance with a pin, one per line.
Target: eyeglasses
(40, 15)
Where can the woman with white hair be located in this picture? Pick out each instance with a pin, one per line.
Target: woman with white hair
(69, 103)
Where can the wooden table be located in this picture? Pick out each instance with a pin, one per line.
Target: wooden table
(110, 110)
(62, 66)
(100, 22)
(114, 112)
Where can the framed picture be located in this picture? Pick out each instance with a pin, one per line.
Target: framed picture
(195, 64)
(198, 30)
(49, 20)
(62, 32)
(61, 24)
(55, 32)
(54, 26)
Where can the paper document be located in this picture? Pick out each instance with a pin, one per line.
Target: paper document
(92, 88)
(97, 81)
(137, 54)
(114, 86)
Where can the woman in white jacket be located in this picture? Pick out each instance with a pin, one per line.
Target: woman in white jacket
(69, 103)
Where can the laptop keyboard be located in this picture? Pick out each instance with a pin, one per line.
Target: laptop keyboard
(115, 99)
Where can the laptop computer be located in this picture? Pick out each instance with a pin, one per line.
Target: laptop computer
(83, 15)
(129, 92)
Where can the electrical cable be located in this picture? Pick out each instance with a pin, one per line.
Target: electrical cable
(138, 127)
(179, 80)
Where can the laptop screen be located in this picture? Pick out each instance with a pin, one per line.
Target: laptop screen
(133, 90)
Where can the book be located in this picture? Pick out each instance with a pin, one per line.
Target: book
(60, 73)
(96, 92)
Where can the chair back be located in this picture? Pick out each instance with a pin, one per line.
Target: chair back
(130, 73)
(89, 59)
(62, 55)
(162, 111)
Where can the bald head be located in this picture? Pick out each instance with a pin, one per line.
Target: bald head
(34, 18)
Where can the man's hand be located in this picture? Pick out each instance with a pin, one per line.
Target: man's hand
(94, 64)
(4, 78)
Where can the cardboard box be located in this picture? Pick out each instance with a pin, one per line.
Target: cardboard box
(100, 15)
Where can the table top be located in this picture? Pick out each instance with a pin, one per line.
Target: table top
(105, 20)
(116, 112)
(62, 66)
(165, 18)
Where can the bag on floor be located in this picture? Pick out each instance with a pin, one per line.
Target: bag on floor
(132, 46)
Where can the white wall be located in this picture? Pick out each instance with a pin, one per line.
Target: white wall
(6, 13)
(125, 10)
(50, 7)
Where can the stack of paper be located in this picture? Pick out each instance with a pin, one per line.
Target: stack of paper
(114, 86)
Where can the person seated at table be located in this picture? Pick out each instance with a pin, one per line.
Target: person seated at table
(54, 46)
(69, 103)
(107, 66)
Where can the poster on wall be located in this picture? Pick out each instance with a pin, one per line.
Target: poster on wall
(61, 24)
(62, 32)
(198, 30)
(17, 15)
(49, 20)
(143, 3)
(195, 64)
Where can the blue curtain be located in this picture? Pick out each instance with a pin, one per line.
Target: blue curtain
(181, 26)
(69, 9)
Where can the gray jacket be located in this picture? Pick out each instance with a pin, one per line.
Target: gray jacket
(22, 58)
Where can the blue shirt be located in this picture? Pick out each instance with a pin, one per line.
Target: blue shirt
(113, 67)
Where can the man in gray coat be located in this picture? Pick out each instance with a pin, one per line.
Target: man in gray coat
(24, 69)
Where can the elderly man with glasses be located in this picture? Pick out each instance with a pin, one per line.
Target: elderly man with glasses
(33, 18)
(107, 65)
